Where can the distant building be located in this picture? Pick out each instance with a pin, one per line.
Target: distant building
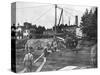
(79, 33)
(19, 33)
(74, 30)
(28, 30)
(24, 31)
(19, 29)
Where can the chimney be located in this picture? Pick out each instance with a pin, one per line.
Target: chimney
(69, 21)
(76, 20)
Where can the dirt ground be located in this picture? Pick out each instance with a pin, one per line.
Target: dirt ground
(57, 60)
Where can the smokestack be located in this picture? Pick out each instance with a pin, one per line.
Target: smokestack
(69, 21)
(76, 20)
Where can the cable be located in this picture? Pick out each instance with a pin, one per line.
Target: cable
(73, 10)
(69, 13)
(64, 10)
(33, 6)
(41, 15)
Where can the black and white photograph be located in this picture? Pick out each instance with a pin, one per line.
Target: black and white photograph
(53, 37)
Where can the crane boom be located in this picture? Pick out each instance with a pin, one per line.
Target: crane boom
(60, 16)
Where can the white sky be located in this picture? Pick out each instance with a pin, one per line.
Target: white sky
(31, 12)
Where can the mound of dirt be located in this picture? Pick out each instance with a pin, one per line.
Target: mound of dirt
(38, 43)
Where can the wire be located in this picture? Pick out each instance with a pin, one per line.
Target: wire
(64, 10)
(69, 13)
(72, 10)
(33, 6)
(42, 15)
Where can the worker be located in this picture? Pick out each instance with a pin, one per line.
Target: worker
(28, 59)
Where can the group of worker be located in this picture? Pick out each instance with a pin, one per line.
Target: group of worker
(28, 59)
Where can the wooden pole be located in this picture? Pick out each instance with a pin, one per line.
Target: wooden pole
(55, 17)
(39, 57)
(61, 16)
(41, 66)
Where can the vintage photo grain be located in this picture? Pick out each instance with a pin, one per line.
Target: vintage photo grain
(53, 37)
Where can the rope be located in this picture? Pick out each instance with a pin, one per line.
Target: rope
(63, 9)
(69, 13)
(42, 15)
(72, 10)
(34, 6)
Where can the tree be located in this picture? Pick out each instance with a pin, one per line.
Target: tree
(27, 25)
(40, 30)
(89, 24)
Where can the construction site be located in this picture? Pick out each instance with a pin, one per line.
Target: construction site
(56, 49)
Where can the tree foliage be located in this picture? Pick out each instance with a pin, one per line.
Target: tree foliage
(89, 23)
(38, 29)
